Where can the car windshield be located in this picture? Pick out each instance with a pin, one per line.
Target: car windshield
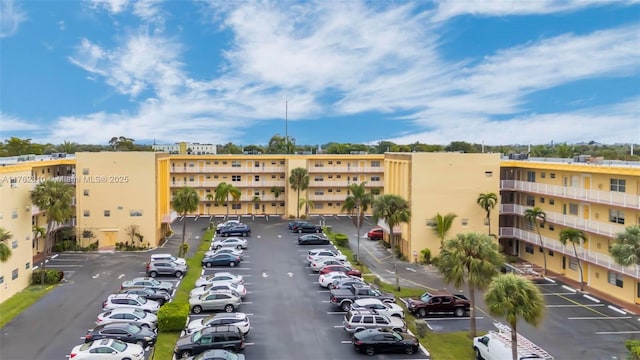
(133, 329)
(142, 300)
(119, 345)
(139, 313)
(396, 335)
(425, 297)
(85, 346)
(196, 336)
(154, 282)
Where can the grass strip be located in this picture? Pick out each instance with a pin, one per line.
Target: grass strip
(13, 306)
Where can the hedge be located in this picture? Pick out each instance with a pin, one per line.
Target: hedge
(51, 277)
(173, 316)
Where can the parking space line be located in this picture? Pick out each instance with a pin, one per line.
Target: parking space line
(569, 288)
(558, 293)
(453, 318)
(346, 342)
(334, 326)
(336, 312)
(591, 298)
(573, 305)
(599, 318)
(617, 332)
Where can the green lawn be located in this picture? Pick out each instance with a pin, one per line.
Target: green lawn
(164, 346)
(14, 305)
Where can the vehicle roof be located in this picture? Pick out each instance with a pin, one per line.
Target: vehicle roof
(115, 324)
(218, 329)
(128, 310)
(225, 273)
(123, 296)
(102, 342)
(368, 301)
(163, 255)
(224, 315)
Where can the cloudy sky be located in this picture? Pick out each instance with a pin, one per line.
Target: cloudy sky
(495, 71)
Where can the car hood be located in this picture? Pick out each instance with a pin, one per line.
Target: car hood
(147, 333)
(395, 307)
(240, 357)
(415, 302)
(396, 321)
(184, 341)
(195, 324)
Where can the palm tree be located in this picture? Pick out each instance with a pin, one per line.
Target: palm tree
(574, 236)
(185, 201)
(299, 181)
(209, 198)
(38, 233)
(394, 210)
(223, 191)
(515, 297)
(358, 202)
(534, 215)
(276, 193)
(306, 204)
(487, 201)
(471, 259)
(5, 250)
(54, 198)
(442, 224)
(626, 248)
(255, 200)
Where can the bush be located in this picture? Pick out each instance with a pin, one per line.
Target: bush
(173, 316)
(399, 254)
(185, 248)
(421, 328)
(435, 260)
(327, 229)
(341, 240)
(51, 277)
(426, 255)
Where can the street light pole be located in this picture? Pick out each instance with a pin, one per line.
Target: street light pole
(358, 234)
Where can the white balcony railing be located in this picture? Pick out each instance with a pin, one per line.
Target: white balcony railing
(592, 226)
(238, 184)
(227, 169)
(594, 196)
(315, 197)
(169, 218)
(345, 169)
(245, 198)
(586, 255)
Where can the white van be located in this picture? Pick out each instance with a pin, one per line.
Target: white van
(168, 257)
(496, 345)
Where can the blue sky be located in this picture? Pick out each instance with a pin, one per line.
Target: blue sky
(496, 71)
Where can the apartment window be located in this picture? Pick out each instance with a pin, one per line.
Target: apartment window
(215, 176)
(257, 206)
(1, 279)
(528, 248)
(616, 216)
(529, 224)
(107, 213)
(573, 264)
(281, 162)
(375, 163)
(573, 209)
(531, 176)
(375, 178)
(552, 175)
(318, 192)
(236, 178)
(338, 176)
(375, 191)
(618, 185)
(465, 222)
(135, 213)
(551, 253)
(273, 163)
(541, 200)
(14, 213)
(318, 206)
(282, 204)
(224, 163)
(338, 190)
(330, 162)
(14, 244)
(85, 171)
(207, 190)
(616, 279)
(281, 176)
(27, 265)
(540, 249)
(256, 164)
(543, 175)
(330, 204)
(273, 204)
(318, 178)
(552, 227)
(85, 192)
(236, 206)
(531, 201)
(235, 163)
(208, 177)
(338, 162)
(552, 202)
(273, 176)
(216, 162)
(14, 274)
(191, 164)
(318, 164)
(355, 178)
(256, 178)
(86, 213)
(191, 179)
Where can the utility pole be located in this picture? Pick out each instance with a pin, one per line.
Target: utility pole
(286, 125)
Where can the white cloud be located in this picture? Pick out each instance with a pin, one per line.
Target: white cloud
(12, 123)
(11, 16)
(112, 6)
(61, 25)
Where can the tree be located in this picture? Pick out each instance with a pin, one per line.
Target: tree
(38, 233)
(626, 247)
(67, 147)
(574, 236)
(277, 145)
(487, 202)
(442, 224)
(515, 297)
(54, 198)
(223, 191)
(306, 204)
(209, 198)
(255, 200)
(357, 203)
(471, 259)
(299, 181)
(229, 148)
(5, 250)
(120, 142)
(132, 231)
(394, 210)
(534, 215)
(185, 201)
(276, 193)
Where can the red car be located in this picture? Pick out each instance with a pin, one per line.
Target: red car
(345, 269)
(375, 234)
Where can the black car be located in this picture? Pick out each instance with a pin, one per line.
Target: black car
(226, 337)
(373, 341)
(295, 223)
(235, 229)
(313, 239)
(307, 228)
(122, 331)
(217, 355)
(150, 294)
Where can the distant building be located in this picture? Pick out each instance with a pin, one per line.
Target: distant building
(184, 148)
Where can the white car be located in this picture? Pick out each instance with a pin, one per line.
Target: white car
(231, 242)
(129, 315)
(107, 349)
(116, 301)
(328, 278)
(317, 264)
(238, 319)
(219, 276)
(168, 257)
(228, 222)
(383, 308)
(320, 253)
(219, 285)
(232, 251)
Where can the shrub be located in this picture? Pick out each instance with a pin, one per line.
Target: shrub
(399, 254)
(327, 229)
(421, 328)
(291, 217)
(426, 255)
(633, 346)
(435, 260)
(173, 316)
(184, 249)
(341, 240)
(512, 259)
(51, 277)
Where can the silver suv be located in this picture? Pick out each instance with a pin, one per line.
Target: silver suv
(165, 267)
(358, 320)
(116, 301)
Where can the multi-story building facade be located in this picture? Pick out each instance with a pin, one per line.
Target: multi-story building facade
(184, 148)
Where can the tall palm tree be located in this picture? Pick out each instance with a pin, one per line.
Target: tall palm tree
(394, 210)
(574, 237)
(536, 216)
(54, 198)
(5, 250)
(299, 181)
(185, 201)
(626, 247)
(306, 204)
(223, 191)
(471, 259)
(209, 198)
(515, 297)
(38, 233)
(276, 193)
(442, 224)
(487, 202)
(357, 202)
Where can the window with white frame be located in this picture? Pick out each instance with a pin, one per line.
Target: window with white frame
(530, 201)
(318, 192)
(375, 178)
(573, 209)
(236, 206)
(531, 176)
(236, 178)
(135, 213)
(528, 248)
(235, 163)
(616, 279)
(616, 216)
(14, 274)
(375, 163)
(573, 263)
(618, 185)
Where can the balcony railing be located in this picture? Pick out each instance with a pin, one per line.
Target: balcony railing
(586, 255)
(169, 218)
(595, 227)
(314, 197)
(595, 196)
(345, 169)
(238, 184)
(69, 223)
(245, 198)
(227, 169)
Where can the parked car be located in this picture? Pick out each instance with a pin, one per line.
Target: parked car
(235, 229)
(219, 276)
(165, 267)
(375, 234)
(168, 257)
(307, 228)
(374, 341)
(438, 303)
(130, 315)
(122, 331)
(345, 283)
(158, 296)
(110, 349)
(316, 265)
(215, 300)
(340, 268)
(218, 354)
(226, 224)
(148, 282)
(115, 301)
(232, 242)
(293, 224)
(313, 239)
(358, 320)
(318, 253)
(227, 337)
(345, 297)
(379, 306)
(220, 285)
(221, 260)
(328, 278)
(238, 319)
(232, 251)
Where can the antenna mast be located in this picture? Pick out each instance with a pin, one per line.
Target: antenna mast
(286, 125)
